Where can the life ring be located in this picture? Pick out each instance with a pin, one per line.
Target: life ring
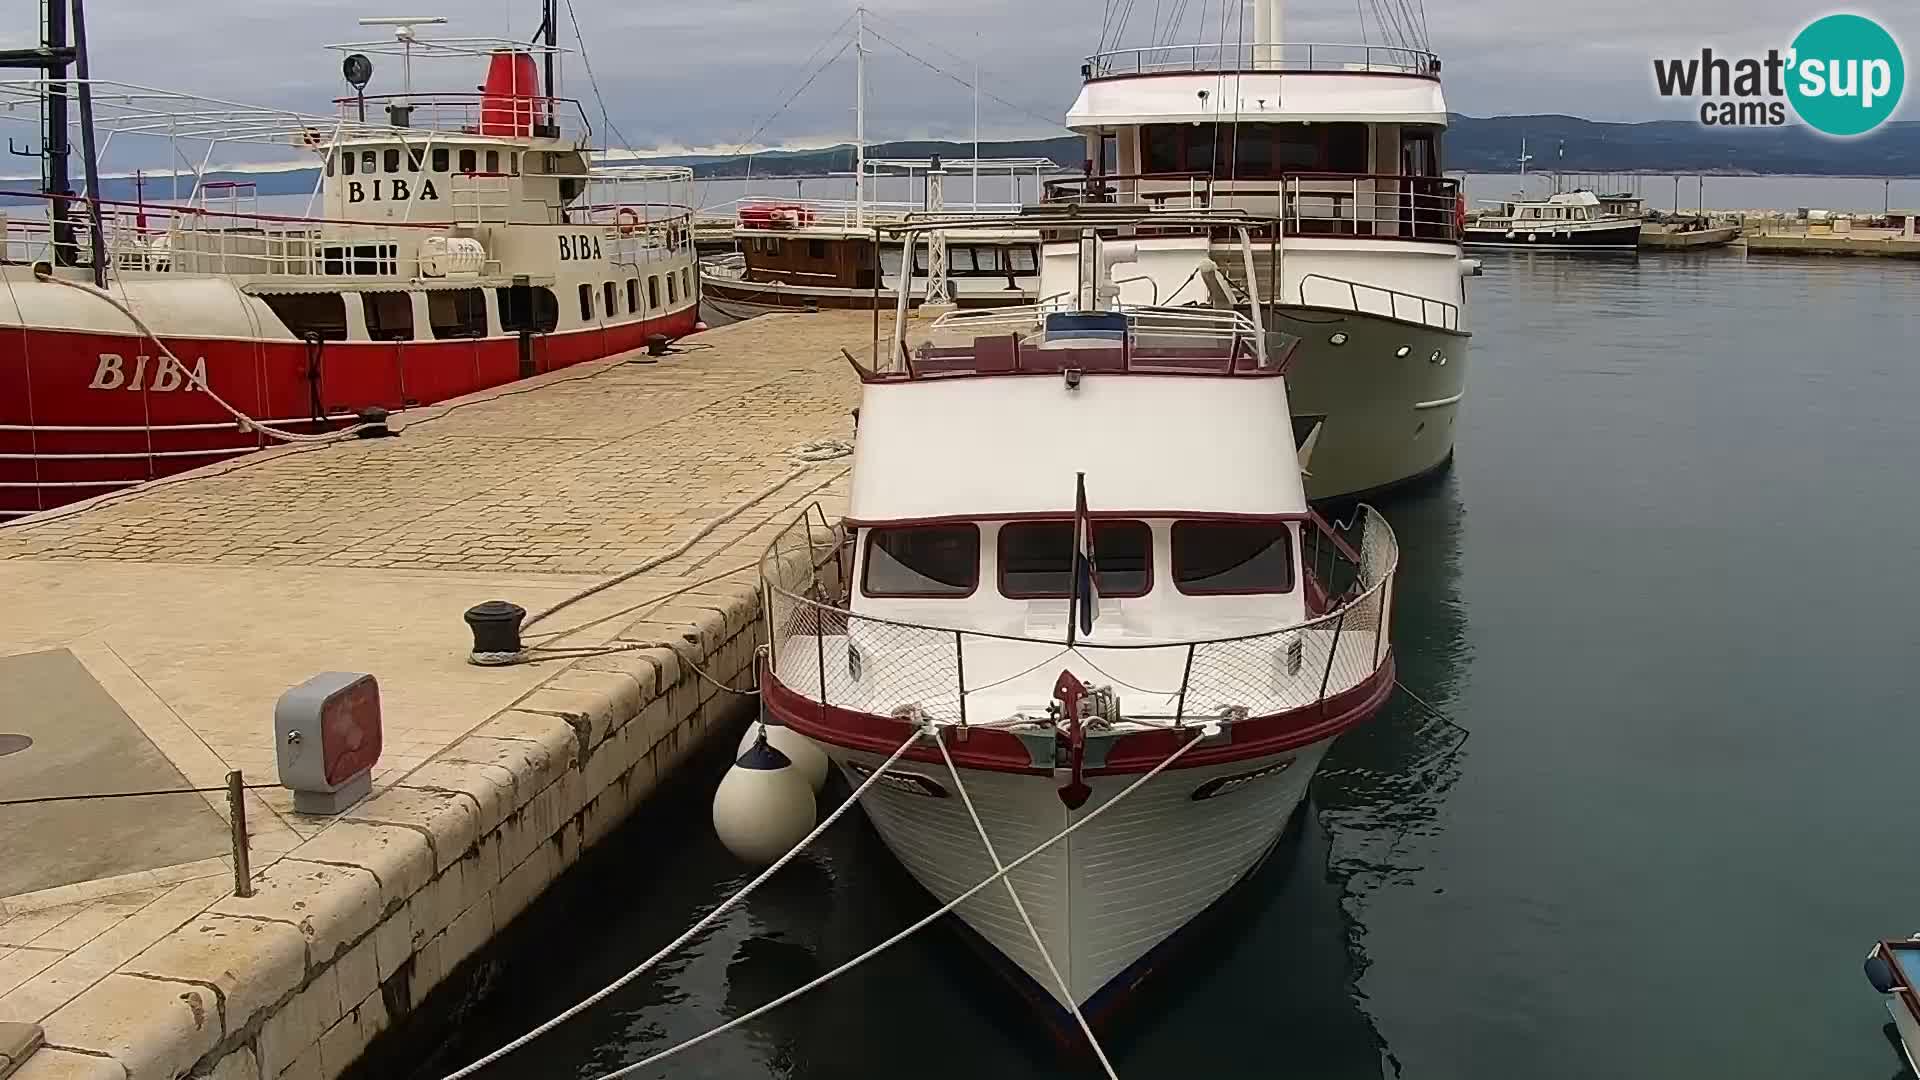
(626, 220)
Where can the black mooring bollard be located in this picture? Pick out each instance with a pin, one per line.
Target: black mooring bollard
(496, 631)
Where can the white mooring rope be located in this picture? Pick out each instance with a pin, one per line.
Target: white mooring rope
(1199, 735)
(708, 920)
(1066, 990)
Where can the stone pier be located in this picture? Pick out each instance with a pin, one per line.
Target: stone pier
(148, 636)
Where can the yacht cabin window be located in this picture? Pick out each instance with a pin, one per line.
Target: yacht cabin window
(393, 161)
(1255, 150)
(469, 161)
(493, 161)
(440, 159)
(1036, 558)
(1231, 557)
(346, 163)
(922, 560)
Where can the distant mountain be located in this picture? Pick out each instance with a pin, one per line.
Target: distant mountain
(1481, 144)
(1492, 144)
(1065, 151)
(1473, 144)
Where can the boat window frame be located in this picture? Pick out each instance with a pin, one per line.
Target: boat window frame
(1000, 558)
(874, 532)
(461, 314)
(1185, 589)
(390, 159)
(442, 159)
(544, 318)
(469, 160)
(633, 296)
(612, 298)
(586, 301)
(371, 310)
(653, 292)
(295, 310)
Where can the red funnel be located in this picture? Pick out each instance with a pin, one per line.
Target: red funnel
(510, 101)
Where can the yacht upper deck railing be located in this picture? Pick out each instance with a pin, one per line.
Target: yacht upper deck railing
(1279, 57)
(1308, 204)
(1051, 338)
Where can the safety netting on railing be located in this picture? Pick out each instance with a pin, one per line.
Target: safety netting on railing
(825, 653)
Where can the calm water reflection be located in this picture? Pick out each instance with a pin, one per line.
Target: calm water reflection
(1666, 585)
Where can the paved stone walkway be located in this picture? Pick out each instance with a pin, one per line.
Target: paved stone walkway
(196, 601)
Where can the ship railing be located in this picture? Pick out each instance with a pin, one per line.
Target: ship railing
(1052, 336)
(825, 653)
(168, 238)
(730, 265)
(1374, 205)
(1276, 57)
(468, 114)
(1326, 291)
(774, 214)
(636, 232)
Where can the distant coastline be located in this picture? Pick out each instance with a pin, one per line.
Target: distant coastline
(1473, 145)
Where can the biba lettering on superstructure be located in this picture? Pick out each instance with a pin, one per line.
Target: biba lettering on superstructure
(1079, 582)
(454, 242)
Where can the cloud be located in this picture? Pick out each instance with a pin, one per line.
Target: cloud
(709, 74)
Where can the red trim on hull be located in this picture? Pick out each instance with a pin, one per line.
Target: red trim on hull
(992, 750)
(65, 437)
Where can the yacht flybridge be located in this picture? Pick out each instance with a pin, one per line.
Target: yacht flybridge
(1079, 590)
(1337, 150)
(452, 242)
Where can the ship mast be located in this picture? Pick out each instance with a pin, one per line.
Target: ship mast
(53, 57)
(859, 117)
(1266, 33)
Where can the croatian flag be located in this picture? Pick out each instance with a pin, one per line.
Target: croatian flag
(1084, 604)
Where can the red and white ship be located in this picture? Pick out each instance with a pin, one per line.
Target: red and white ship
(453, 242)
(1080, 593)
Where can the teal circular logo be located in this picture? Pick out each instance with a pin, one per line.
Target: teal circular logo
(1846, 74)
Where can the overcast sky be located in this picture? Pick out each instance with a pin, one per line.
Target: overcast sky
(706, 73)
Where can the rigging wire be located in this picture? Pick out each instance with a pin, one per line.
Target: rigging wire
(587, 62)
(931, 66)
(898, 28)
